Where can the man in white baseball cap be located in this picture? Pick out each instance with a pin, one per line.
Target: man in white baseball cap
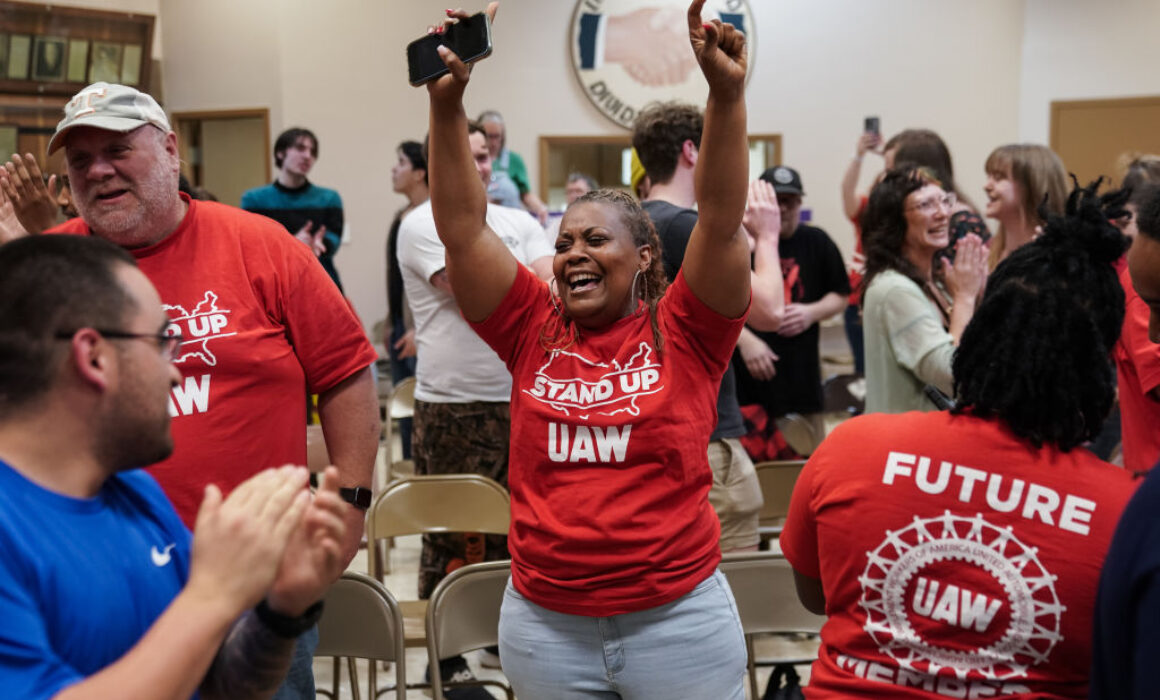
(259, 315)
(110, 107)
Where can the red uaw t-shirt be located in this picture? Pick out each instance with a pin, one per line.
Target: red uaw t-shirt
(957, 560)
(608, 468)
(1138, 374)
(261, 321)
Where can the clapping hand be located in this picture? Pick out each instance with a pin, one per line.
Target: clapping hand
(33, 201)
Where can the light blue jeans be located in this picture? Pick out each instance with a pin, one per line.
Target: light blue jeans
(690, 648)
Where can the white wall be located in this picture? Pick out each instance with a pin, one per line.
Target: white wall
(1075, 49)
(981, 73)
(339, 68)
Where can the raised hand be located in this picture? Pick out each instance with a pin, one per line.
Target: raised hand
(720, 51)
(966, 278)
(33, 201)
(10, 228)
(868, 141)
(451, 86)
(762, 215)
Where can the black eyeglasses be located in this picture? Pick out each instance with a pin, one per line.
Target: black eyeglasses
(167, 342)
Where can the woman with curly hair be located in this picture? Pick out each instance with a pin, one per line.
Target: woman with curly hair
(614, 589)
(957, 553)
(912, 323)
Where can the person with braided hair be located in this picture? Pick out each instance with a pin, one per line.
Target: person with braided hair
(911, 322)
(614, 590)
(956, 553)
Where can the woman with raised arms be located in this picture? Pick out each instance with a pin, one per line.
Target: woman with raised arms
(615, 591)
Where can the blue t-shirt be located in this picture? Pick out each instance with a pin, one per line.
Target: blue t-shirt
(81, 580)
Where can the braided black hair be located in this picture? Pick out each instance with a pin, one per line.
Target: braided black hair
(1036, 352)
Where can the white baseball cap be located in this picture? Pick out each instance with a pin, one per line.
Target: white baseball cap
(110, 107)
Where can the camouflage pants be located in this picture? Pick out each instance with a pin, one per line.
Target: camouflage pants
(456, 438)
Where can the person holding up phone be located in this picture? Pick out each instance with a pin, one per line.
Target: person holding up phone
(615, 590)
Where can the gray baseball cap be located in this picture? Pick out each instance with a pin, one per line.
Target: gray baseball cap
(110, 107)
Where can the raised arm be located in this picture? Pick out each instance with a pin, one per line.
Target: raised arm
(850, 201)
(479, 266)
(763, 224)
(716, 263)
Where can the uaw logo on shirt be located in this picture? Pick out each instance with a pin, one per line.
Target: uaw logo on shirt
(572, 383)
(628, 53)
(962, 605)
(200, 327)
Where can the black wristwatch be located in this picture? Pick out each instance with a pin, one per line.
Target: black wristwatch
(288, 627)
(359, 497)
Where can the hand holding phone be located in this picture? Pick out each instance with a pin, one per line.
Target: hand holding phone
(870, 125)
(469, 39)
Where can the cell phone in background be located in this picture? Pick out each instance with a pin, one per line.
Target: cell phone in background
(870, 125)
(469, 38)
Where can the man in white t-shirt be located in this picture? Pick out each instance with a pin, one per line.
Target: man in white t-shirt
(462, 391)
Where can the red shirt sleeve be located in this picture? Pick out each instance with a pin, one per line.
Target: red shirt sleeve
(799, 537)
(505, 327)
(1134, 342)
(687, 319)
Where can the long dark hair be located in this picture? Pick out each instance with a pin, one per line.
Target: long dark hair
(884, 223)
(1035, 354)
(561, 332)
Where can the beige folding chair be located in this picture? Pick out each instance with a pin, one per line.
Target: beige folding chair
(428, 504)
(801, 432)
(398, 404)
(360, 619)
(763, 586)
(777, 479)
(464, 616)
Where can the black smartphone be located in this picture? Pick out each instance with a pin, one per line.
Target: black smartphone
(870, 125)
(469, 38)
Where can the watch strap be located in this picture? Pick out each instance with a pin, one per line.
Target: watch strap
(288, 627)
(359, 496)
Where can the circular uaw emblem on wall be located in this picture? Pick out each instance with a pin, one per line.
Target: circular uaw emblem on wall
(960, 596)
(628, 53)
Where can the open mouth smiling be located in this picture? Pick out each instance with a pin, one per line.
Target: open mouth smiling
(583, 281)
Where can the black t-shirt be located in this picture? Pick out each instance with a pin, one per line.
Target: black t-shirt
(811, 267)
(674, 226)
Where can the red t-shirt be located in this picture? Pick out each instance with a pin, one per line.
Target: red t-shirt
(956, 559)
(608, 470)
(1138, 373)
(261, 321)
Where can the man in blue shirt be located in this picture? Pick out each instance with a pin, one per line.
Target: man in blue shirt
(103, 591)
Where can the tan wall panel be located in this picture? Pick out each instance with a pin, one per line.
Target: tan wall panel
(1091, 136)
(234, 156)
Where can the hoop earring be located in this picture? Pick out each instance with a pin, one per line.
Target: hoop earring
(644, 289)
(554, 297)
